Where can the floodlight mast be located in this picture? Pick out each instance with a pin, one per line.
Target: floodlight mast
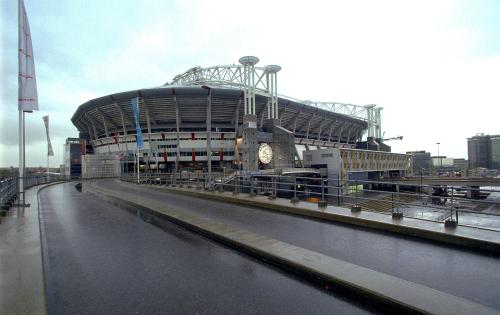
(249, 63)
(271, 72)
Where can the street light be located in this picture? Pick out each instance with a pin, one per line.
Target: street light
(439, 157)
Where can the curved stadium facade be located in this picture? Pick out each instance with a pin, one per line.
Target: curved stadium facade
(218, 116)
(174, 124)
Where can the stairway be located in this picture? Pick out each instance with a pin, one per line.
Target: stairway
(385, 203)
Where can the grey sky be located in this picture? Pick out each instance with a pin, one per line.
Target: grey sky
(433, 65)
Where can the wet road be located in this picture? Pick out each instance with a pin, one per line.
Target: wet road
(467, 274)
(100, 259)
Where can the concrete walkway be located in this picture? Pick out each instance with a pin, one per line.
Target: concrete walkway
(100, 259)
(382, 288)
(21, 272)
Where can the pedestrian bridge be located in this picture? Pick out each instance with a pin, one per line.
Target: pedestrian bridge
(106, 244)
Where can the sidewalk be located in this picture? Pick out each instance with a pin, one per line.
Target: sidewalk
(21, 268)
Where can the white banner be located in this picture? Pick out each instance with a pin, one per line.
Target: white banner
(27, 94)
(49, 145)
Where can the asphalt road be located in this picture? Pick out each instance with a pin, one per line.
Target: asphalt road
(467, 274)
(99, 259)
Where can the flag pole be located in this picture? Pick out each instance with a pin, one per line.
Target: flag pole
(21, 161)
(21, 140)
(138, 160)
(27, 95)
(50, 152)
(48, 167)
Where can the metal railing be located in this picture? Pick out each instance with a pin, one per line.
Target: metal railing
(446, 204)
(9, 186)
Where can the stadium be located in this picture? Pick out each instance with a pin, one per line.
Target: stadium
(218, 117)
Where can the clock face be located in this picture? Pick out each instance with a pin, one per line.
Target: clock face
(265, 153)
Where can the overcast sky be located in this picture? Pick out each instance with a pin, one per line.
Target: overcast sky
(433, 65)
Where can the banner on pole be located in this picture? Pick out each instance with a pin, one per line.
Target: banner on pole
(27, 94)
(135, 108)
(49, 145)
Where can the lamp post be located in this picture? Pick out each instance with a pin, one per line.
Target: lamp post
(421, 180)
(439, 157)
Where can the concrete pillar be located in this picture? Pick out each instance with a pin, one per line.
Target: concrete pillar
(249, 145)
(249, 134)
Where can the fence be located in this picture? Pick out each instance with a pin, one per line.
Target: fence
(9, 189)
(445, 204)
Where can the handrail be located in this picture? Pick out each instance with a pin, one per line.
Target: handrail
(344, 193)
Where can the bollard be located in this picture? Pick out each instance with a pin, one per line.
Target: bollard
(356, 208)
(395, 215)
(450, 223)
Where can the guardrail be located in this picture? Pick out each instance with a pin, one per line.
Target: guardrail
(9, 186)
(445, 204)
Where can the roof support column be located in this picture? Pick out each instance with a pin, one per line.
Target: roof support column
(91, 136)
(340, 132)
(93, 127)
(282, 111)
(236, 118)
(308, 127)
(308, 124)
(261, 118)
(106, 130)
(209, 137)
(331, 131)
(150, 117)
(148, 120)
(122, 116)
(177, 128)
(296, 119)
(321, 127)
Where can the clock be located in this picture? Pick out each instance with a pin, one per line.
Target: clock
(265, 153)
